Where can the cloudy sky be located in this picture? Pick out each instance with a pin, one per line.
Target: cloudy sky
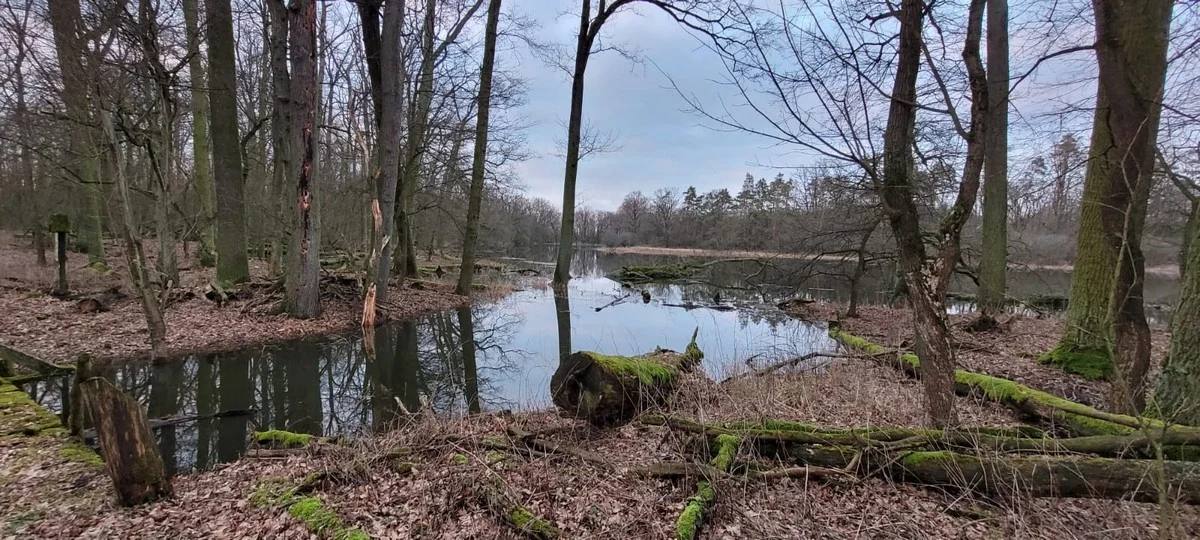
(658, 142)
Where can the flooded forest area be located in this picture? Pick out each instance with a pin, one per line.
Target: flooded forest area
(373, 269)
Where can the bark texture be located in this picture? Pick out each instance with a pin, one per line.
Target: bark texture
(479, 158)
(1131, 46)
(302, 292)
(201, 147)
(391, 115)
(233, 266)
(993, 267)
(126, 443)
(1177, 396)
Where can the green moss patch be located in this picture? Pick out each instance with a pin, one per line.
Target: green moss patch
(1093, 364)
(278, 438)
(656, 273)
(81, 454)
(648, 372)
(312, 511)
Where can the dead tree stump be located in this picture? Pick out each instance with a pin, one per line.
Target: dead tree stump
(611, 390)
(60, 225)
(126, 443)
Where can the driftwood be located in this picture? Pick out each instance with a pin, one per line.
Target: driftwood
(128, 447)
(167, 421)
(612, 390)
(970, 459)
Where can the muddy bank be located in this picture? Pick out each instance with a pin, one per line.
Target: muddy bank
(59, 329)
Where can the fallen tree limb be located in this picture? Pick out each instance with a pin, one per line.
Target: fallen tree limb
(1029, 402)
(610, 390)
(532, 441)
(790, 362)
(32, 363)
(689, 469)
(690, 521)
(167, 421)
(770, 436)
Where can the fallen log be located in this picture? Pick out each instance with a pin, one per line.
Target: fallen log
(32, 363)
(168, 421)
(691, 520)
(942, 459)
(611, 390)
(1031, 403)
(1037, 476)
(774, 437)
(129, 449)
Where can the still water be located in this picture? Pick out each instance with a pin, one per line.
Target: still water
(489, 357)
(495, 356)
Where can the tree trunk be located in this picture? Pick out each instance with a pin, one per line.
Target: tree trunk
(81, 161)
(302, 292)
(611, 390)
(161, 144)
(135, 256)
(1177, 396)
(126, 443)
(281, 84)
(994, 263)
(201, 149)
(1131, 47)
(466, 331)
(414, 146)
(479, 158)
(390, 63)
(233, 266)
(566, 232)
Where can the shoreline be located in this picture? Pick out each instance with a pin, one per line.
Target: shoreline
(57, 330)
(1164, 270)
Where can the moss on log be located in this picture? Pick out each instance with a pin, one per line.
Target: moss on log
(128, 446)
(690, 521)
(517, 517)
(775, 437)
(1031, 403)
(278, 438)
(611, 390)
(656, 273)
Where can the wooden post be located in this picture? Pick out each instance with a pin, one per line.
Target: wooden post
(60, 225)
(126, 443)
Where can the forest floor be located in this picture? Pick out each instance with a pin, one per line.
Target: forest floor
(57, 329)
(425, 478)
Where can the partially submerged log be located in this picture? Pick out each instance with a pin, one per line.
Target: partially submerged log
(1031, 403)
(657, 273)
(130, 452)
(611, 390)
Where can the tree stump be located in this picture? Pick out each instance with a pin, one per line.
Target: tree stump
(60, 225)
(611, 390)
(126, 443)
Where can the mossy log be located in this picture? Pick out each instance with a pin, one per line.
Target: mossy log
(519, 518)
(130, 452)
(691, 520)
(280, 439)
(656, 273)
(1030, 403)
(773, 437)
(935, 461)
(1038, 476)
(312, 511)
(611, 390)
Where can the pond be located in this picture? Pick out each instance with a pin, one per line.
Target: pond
(491, 357)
